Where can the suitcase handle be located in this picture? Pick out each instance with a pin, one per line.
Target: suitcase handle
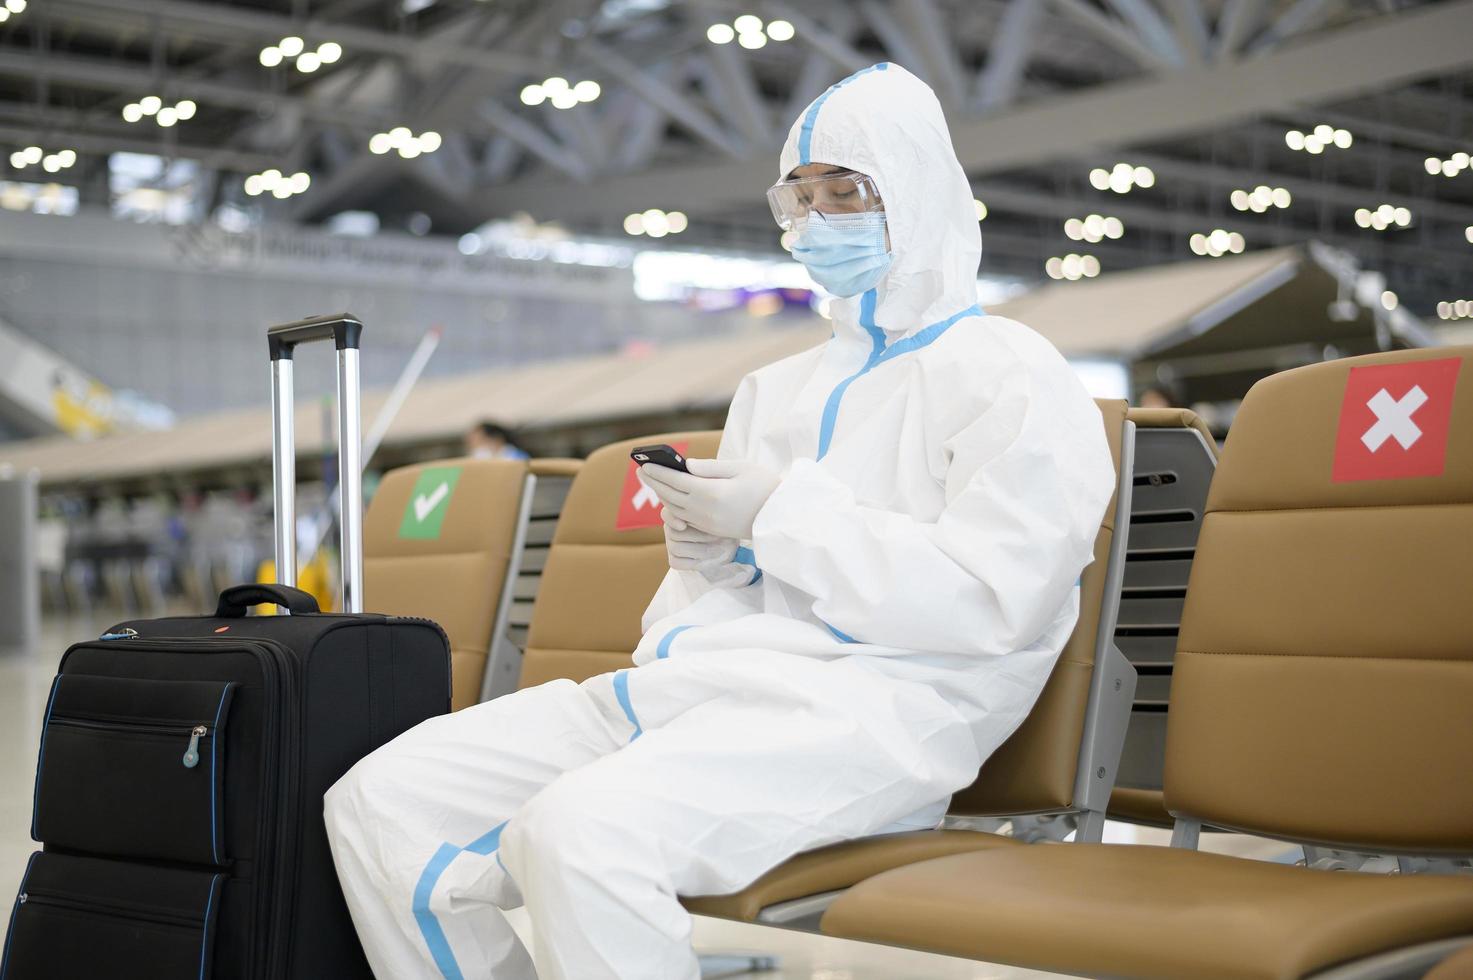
(343, 329)
(236, 600)
(346, 331)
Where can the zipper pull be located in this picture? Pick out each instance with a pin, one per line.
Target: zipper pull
(191, 754)
(23, 898)
(124, 634)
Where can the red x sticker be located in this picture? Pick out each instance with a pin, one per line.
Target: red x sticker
(1394, 420)
(638, 506)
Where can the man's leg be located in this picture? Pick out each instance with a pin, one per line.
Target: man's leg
(714, 797)
(415, 828)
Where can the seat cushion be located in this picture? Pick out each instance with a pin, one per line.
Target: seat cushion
(1139, 806)
(839, 866)
(1139, 911)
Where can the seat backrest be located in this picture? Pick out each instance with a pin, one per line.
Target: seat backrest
(1035, 770)
(1324, 672)
(598, 577)
(1175, 457)
(438, 539)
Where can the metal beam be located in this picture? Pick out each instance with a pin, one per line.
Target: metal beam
(113, 76)
(1113, 33)
(674, 103)
(1234, 25)
(208, 156)
(1151, 27)
(1304, 15)
(1190, 23)
(929, 32)
(227, 23)
(1007, 55)
(535, 139)
(730, 73)
(1369, 56)
(825, 42)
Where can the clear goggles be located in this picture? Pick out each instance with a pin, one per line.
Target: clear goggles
(840, 193)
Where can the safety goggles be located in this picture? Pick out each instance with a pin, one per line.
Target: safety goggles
(846, 192)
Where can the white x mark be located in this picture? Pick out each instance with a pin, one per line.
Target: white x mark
(1394, 418)
(645, 497)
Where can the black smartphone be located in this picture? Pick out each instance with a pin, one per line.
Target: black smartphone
(661, 455)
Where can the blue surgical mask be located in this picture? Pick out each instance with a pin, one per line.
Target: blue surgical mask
(844, 253)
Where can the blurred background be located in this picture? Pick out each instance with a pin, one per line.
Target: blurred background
(550, 215)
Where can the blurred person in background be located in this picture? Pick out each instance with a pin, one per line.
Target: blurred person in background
(488, 440)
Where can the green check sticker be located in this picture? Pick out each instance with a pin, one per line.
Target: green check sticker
(428, 502)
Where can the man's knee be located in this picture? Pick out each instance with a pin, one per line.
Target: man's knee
(574, 821)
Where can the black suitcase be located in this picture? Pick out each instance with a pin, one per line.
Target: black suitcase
(183, 764)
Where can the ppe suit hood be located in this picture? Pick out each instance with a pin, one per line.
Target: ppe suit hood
(885, 122)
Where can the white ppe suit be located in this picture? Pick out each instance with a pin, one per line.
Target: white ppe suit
(943, 476)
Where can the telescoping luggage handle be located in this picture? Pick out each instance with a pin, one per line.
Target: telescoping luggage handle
(345, 331)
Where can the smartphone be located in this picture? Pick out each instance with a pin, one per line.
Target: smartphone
(661, 455)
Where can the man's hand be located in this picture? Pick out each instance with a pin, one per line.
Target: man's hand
(718, 496)
(690, 550)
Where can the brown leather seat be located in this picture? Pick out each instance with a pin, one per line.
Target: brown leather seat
(598, 578)
(1033, 772)
(454, 575)
(1137, 911)
(1321, 693)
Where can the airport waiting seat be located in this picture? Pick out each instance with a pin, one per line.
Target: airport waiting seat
(597, 579)
(460, 567)
(1458, 966)
(1320, 695)
(1175, 457)
(1062, 760)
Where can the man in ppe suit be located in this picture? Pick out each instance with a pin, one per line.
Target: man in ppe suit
(869, 587)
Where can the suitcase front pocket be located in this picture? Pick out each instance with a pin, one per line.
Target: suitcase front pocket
(86, 917)
(134, 768)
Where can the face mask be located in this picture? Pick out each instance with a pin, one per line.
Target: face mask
(844, 253)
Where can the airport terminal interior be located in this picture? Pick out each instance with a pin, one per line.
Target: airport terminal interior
(422, 320)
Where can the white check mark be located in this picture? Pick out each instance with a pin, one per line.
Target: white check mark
(424, 504)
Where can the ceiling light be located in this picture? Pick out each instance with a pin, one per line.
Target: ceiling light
(634, 224)
(533, 95)
(1239, 199)
(271, 56)
(564, 99)
(1433, 166)
(430, 141)
(328, 52)
(1295, 139)
(1445, 309)
(780, 30)
(1074, 228)
(788, 239)
(132, 112)
(1324, 132)
(1313, 145)
(270, 178)
(1119, 184)
(1236, 243)
(718, 34)
(253, 185)
(656, 223)
(1054, 267)
(150, 104)
(587, 90)
(1090, 266)
(185, 109)
(1468, 234)
(33, 154)
(1388, 300)
(381, 143)
(50, 163)
(281, 191)
(1114, 228)
(18, 160)
(1363, 217)
(400, 135)
(1462, 160)
(300, 182)
(308, 62)
(752, 41)
(469, 243)
(1403, 217)
(4, 15)
(1073, 267)
(67, 157)
(977, 206)
(1145, 177)
(1099, 179)
(1282, 198)
(677, 221)
(1343, 139)
(409, 149)
(15, 6)
(552, 86)
(291, 46)
(747, 24)
(166, 117)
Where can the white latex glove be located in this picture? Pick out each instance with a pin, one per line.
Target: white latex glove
(690, 550)
(718, 496)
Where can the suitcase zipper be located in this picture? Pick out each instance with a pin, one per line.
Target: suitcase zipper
(280, 673)
(194, 732)
(31, 897)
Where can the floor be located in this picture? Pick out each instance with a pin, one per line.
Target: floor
(25, 679)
